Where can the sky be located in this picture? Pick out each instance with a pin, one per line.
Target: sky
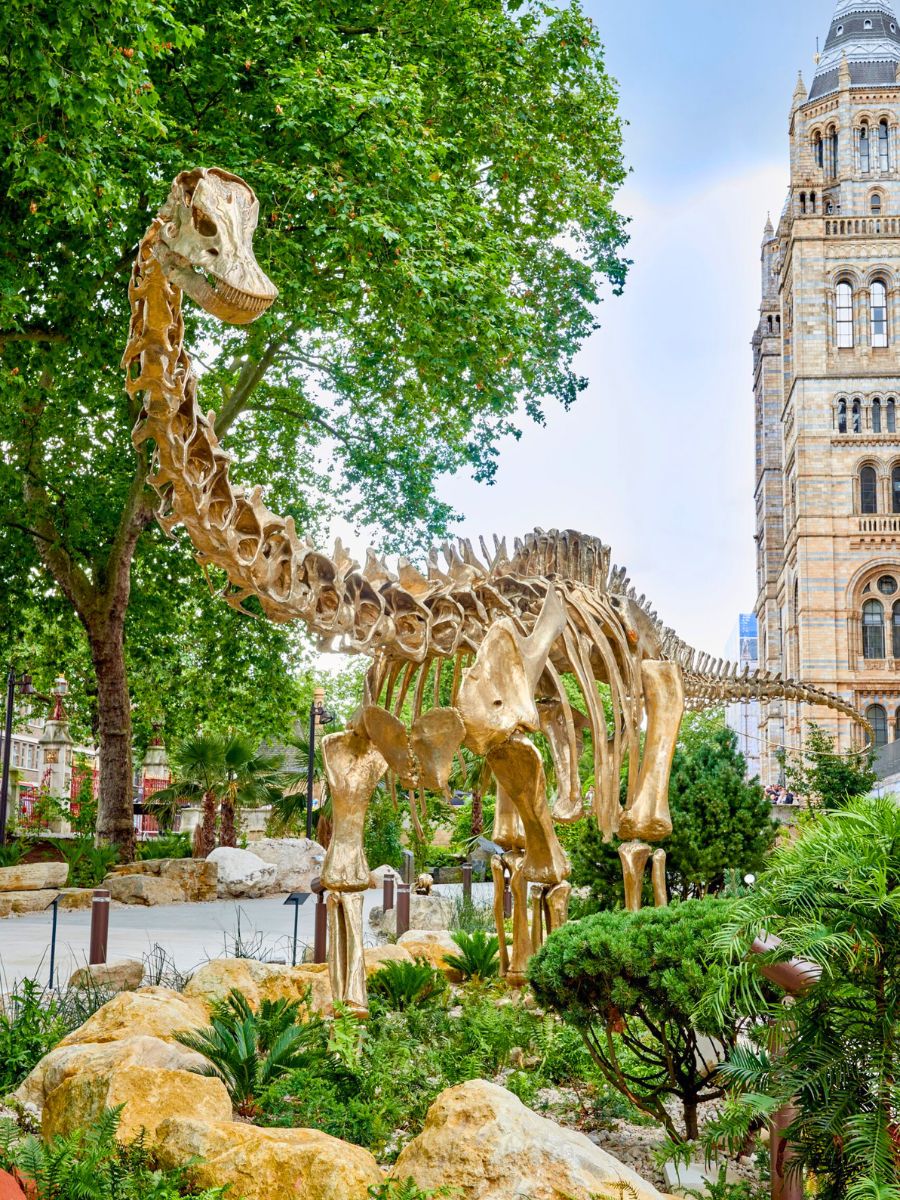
(656, 457)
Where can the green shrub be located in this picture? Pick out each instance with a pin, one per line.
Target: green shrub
(12, 853)
(88, 864)
(402, 985)
(167, 845)
(91, 1165)
(247, 1050)
(632, 984)
(469, 915)
(479, 955)
(30, 1025)
(383, 833)
(406, 1189)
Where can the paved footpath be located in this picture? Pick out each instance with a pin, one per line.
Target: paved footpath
(191, 934)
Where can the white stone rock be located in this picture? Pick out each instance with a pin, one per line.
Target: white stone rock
(378, 876)
(297, 861)
(425, 912)
(33, 877)
(124, 976)
(242, 874)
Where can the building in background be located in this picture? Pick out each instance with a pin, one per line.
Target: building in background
(826, 357)
(743, 648)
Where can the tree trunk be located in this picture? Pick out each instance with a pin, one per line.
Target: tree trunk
(691, 1126)
(115, 810)
(227, 828)
(205, 836)
(477, 814)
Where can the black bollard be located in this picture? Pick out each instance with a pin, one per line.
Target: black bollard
(402, 909)
(99, 926)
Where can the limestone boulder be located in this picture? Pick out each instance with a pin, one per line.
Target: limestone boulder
(380, 956)
(378, 876)
(259, 981)
(146, 866)
(482, 1143)
(425, 912)
(153, 1011)
(241, 873)
(433, 945)
(99, 1058)
(198, 878)
(75, 899)
(26, 902)
(34, 877)
(148, 890)
(265, 1164)
(124, 976)
(149, 1097)
(297, 861)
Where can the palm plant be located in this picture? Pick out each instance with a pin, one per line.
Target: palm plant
(479, 956)
(220, 770)
(290, 807)
(247, 1049)
(403, 985)
(832, 898)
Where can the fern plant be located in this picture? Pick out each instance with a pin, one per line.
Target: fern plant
(408, 1189)
(479, 956)
(91, 1165)
(402, 985)
(247, 1049)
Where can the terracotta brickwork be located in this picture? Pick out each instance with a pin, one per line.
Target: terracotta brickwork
(827, 394)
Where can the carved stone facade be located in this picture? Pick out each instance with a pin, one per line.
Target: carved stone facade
(827, 389)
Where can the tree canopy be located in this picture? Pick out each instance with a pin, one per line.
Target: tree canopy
(437, 190)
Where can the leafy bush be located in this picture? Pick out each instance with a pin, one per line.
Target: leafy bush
(88, 864)
(382, 837)
(632, 984)
(402, 985)
(832, 898)
(30, 1025)
(167, 845)
(91, 1165)
(437, 857)
(247, 1050)
(468, 915)
(406, 1189)
(12, 853)
(479, 956)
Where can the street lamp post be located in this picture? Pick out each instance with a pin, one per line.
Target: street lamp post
(318, 715)
(14, 683)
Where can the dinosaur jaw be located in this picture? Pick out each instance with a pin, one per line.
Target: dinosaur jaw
(215, 295)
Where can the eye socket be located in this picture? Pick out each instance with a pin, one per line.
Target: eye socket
(204, 225)
(498, 704)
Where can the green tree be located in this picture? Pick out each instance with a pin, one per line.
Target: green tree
(832, 899)
(224, 773)
(632, 984)
(826, 777)
(436, 189)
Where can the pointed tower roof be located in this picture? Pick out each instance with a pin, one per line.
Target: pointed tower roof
(867, 34)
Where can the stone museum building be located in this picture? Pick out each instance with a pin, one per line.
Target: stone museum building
(826, 361)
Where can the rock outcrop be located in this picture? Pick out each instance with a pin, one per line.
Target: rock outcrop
(268, 1164)
(261, 981)
(26, 902)
(34, 877)
(242, 874)
(481, 1142)
(379, 956)
(148, 1096)
(433, 945)
(297, 861)
(124, 976)
(425, 912)
(153, 1011)
(148, 890)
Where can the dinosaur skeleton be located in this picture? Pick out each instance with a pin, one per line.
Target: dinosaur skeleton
(477, 647)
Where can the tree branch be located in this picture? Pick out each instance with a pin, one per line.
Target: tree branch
(251, 376)
(32, 333)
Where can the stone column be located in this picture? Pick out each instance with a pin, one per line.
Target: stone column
(55, 747)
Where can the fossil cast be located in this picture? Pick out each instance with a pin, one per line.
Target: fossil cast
(476, 646)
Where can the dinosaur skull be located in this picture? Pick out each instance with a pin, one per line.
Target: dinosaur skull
(205, 245)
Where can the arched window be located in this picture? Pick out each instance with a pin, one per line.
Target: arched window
(819, 150)
(897, 726)
(884, 153)
(812, 202)
(876, 416)
(844, 312)
(873, 629)
(891, 417)
(803, 204)
(875, 204)
(865, 158)
(878, 313)
(895, 490)
(857, 417)
(877, 718)
(868, 491)
(834, 152)
(842, 416)
(895, 627)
